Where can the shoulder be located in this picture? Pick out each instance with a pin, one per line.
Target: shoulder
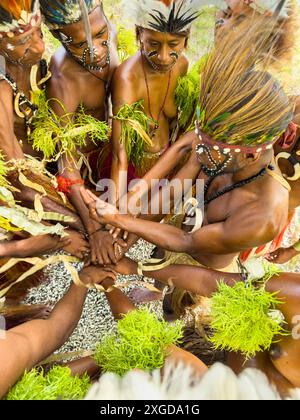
(129, 71)
(126, 81)
(63, 84)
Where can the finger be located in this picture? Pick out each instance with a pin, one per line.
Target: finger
(122, 243)
(116, 233)
(125, 236)
(87, 261)
(111, 270)
(111, 254)
(65, 242)
(100, 259)
(112, 276)
(93, 255)
(105, 257)
(92, 196)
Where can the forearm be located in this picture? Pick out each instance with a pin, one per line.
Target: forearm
(119, 171)
(162, 235)
(67, 312)
(202, 281)
(75, 197)
(169, 160)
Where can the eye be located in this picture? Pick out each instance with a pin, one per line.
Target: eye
(173, 45)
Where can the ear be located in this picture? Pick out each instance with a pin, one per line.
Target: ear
(288, 139)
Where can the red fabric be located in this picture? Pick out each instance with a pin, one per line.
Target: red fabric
(64, 184)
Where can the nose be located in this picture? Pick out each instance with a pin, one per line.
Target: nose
(164, 55)
(37, 46)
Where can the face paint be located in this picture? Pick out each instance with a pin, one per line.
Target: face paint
(152, 54)
(174, 55)
(217, 168)
(82, 60)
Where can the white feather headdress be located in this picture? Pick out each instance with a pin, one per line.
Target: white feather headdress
(171, 16)
(180, 383)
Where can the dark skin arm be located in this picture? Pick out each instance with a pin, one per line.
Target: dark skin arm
(202, 281)
(28, 344)
(34, 246)
(231, 236)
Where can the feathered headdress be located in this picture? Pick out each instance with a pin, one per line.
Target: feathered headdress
(170, 16)
(241, 105)
(58, 13)
(18, 16)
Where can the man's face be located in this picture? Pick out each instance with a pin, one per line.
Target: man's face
(26, 49)
(215, 162)
(162, 49)
(100, 36)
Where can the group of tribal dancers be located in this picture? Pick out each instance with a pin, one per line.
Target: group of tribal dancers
(241, 138)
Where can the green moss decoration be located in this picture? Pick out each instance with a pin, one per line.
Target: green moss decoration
(54, 136)
(187, 96)
(127, 45)
(134, 130)
(58, 384)
(241, 320)
(141, 342)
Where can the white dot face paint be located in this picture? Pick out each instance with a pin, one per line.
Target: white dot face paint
(10, 47)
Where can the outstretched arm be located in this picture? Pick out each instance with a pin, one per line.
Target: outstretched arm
(202, 281)
(241, 230)
(121, 305)
(26, 345)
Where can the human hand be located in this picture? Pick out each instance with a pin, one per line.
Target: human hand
(96, 275)
(126, 267)
(78, 245)
(282, 255)
(105, 250)
(40, 245)
(100, 211)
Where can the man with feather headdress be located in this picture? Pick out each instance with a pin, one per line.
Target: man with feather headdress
(287, 147)
(23, 74)
(82, 69)
(242, 112)
(146, 83)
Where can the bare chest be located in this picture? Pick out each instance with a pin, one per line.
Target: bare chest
(159, 100)
(219, 209)
(95, 99)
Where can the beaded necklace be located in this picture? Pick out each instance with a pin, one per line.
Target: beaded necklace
(153, 132)
(234, 186)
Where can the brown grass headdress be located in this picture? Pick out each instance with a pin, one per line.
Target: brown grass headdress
(241, 105)
(18, 16)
